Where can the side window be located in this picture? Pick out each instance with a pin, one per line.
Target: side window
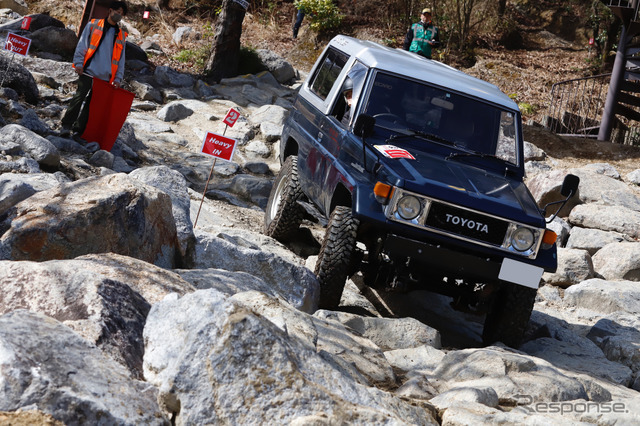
(327, 73)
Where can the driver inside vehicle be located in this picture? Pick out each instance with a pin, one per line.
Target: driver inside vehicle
(347, 93)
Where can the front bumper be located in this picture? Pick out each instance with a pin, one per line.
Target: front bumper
(459, 264)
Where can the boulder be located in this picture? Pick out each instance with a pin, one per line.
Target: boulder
(46, 365)
(256, 255)
(36, 147)
(17, 77)
(55, 40)
(175, 185)
(16, 187)
(209, 356)
(574, 266)
(113, 213)
(618, 261)
(277, 65)
(607, 218)
(592, 240)
(387, 333)
(605, 296)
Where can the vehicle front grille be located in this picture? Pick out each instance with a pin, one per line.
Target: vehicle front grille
(466, 224)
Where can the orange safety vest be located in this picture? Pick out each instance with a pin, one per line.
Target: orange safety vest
(96, 28)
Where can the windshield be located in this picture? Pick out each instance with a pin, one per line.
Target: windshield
(407, 106)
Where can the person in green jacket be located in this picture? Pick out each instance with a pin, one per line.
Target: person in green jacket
(422, 36)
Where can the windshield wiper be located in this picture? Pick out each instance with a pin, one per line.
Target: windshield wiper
(455, 155)
(425, 135)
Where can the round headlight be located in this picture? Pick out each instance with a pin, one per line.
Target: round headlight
(409, 207)
(522, 239)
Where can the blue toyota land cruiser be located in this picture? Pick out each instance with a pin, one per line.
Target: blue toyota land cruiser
(419, 169)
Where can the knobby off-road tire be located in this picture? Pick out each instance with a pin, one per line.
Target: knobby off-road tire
(335, 257)
(283, 214)
(507, 320)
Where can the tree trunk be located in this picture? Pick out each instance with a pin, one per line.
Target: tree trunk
(225, 51)
(502, 7)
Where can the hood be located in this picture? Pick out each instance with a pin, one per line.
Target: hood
(464, 184)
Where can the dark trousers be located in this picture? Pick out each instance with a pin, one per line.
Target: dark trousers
(77, 115)
(296, 26)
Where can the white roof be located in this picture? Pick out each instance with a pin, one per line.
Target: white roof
(412, 65)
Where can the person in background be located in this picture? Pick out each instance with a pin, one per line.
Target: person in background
(100, 53)
(422, 36)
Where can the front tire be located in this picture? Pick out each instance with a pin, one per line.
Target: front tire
(283, 214)
(335, 257)
(507, 320)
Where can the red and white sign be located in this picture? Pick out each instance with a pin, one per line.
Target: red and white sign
(391, 151)
(17, 44)
(145, 15)
(26, 23)
(591, 41)
(231, 117)
(218, 146)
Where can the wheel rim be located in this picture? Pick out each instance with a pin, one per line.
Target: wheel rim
(277, 199)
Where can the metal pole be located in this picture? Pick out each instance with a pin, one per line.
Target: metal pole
(617, 77)
(207, 184)
(205, 191)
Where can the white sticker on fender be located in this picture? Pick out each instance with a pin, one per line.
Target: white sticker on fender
(520, 273)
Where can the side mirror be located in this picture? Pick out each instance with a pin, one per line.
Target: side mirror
(570, 185)
(569, 189)
(364, 125)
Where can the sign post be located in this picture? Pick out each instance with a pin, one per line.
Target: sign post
(218, 146)
(17, 44)
(26, 23)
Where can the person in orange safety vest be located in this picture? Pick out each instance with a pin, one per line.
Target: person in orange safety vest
(100, 53)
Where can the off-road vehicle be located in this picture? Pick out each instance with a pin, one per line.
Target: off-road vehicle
(421, 181)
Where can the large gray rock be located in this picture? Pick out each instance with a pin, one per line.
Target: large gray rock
(36, 147)
(619, 341)
(277, 65)
(251, 253)
(166, 76)
(59, 41)
(634, 177)
(509, 373)
(607, 218)
(113, 213)
(618, 261)
(545, 188)
(175, 185)
(592, 240)
(574, 266)
(31, 121)
(387, 333)
(16, 187)
(209, 356)
(45, 364)
(19, 78)
(357, 357)
(174, 111)
(605, 297)
(583, 356)
(103, 311)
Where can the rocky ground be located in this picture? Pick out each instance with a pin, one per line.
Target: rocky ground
(117, 305)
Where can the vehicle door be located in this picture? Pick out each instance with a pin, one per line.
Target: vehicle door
(313, 157)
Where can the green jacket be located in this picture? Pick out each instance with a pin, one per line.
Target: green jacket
(420, 35)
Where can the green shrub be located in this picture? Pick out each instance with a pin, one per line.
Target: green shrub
(323, 15)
